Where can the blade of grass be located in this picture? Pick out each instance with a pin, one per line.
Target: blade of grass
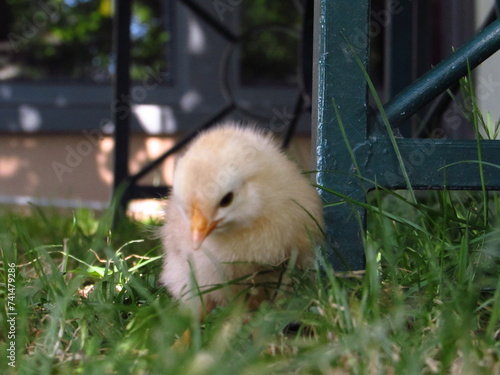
(389, 131)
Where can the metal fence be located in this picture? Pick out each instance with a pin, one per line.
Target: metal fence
(360, 149)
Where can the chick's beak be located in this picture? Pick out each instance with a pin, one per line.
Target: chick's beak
(201, 227)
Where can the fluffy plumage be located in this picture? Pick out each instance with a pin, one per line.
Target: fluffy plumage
(237, 204)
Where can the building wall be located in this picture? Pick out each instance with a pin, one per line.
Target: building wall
(488, 73)
(76, 170)
(70, 167)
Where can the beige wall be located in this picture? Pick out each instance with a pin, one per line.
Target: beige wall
(70, 166)
(75, 167)
(488, 73)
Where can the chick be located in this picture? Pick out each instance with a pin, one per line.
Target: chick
(238, 205)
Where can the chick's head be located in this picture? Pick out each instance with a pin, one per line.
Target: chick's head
(220, 182)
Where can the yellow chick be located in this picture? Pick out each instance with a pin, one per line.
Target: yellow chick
(238, 204)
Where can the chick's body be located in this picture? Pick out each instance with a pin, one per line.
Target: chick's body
(237, 205)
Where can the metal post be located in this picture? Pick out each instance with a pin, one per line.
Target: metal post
(338, 79)
(121, 98)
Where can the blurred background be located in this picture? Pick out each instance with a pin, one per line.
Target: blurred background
(188, 60)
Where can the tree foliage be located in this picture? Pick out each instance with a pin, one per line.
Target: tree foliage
(72, 40)
(61, 39)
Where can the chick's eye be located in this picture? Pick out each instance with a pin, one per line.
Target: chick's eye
(226, 200)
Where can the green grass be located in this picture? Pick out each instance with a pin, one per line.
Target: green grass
(428, 303)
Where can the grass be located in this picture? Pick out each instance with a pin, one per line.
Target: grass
(88, 302)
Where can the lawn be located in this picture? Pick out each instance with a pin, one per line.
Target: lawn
(81, 297)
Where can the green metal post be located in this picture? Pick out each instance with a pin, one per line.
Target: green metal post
(338, 79)
(121, 99)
